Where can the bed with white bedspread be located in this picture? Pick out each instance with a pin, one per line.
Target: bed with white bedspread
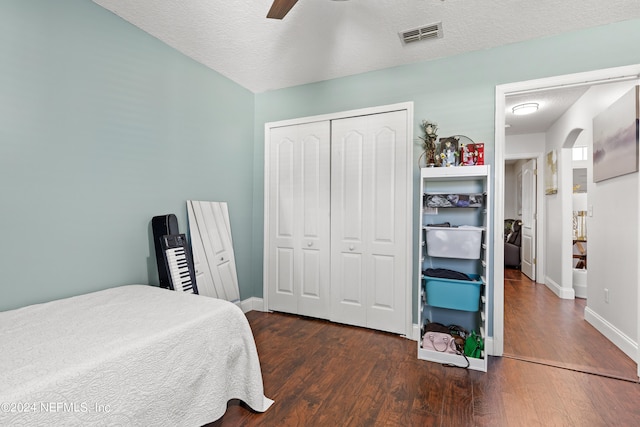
(130, 355)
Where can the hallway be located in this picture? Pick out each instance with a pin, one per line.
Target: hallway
(543, 328)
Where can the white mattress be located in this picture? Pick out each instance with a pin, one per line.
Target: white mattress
(131, 355)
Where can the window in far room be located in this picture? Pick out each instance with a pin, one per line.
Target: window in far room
(579, 153)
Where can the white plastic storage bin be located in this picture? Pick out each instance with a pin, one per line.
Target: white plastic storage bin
(454, 242)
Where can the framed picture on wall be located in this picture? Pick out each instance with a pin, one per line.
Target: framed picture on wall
(615, 138)
(551, 173)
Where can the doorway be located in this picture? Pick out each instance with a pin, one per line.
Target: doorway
(523, 199)
(595, 77)
(580, 204)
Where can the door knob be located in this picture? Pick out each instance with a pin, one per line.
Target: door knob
(309, 244)
(351, 247)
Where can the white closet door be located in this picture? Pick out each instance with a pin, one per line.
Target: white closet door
(298, 251)
(212, 245)
(204, 279)
(368, 221)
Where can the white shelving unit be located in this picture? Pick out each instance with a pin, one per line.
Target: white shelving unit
(472, 208)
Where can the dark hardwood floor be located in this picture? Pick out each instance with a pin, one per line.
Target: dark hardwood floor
(541, 327)
(325, 374)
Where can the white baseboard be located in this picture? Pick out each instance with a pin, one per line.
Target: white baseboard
(613, 334)
(252, 303)
(561, 292)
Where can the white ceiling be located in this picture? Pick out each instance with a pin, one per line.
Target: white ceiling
(552, 104)
(323, 39)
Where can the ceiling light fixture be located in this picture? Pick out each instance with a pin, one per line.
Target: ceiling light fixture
(527, 108)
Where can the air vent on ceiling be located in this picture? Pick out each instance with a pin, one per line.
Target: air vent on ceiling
(431, 31)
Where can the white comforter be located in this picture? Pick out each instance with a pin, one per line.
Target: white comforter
(131, 355)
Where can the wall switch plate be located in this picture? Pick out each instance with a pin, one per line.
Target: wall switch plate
(606, 295)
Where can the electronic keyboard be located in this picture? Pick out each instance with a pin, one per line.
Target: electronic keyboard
(173, 258)
(177, 260)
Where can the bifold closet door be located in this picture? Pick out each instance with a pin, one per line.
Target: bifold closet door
(212, 248)
(298, 219)
(368, 220)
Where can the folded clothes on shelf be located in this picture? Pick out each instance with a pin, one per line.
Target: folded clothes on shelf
(443, 273)
(453, 200)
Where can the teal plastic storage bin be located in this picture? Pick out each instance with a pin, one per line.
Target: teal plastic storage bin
(454, 294)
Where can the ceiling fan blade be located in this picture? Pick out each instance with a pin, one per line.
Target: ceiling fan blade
(280, 8)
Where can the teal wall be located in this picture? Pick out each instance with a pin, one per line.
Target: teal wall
(458, 93)
(103, 127)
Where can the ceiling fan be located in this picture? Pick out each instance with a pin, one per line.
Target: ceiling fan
(280, 8)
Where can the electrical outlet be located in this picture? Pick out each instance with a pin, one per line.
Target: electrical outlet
(606, 295)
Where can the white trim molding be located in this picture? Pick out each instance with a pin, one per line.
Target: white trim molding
(560, 291)
(250, 304)
(609, 75)
(613, 334)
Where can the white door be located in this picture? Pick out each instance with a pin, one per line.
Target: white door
(298, 219)
(212, 245)
(528, 231)
(204, 279)
(368, 214)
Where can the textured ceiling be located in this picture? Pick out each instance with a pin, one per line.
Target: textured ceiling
(552, 104)
(323, 39)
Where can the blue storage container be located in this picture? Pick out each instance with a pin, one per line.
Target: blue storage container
(454, 294)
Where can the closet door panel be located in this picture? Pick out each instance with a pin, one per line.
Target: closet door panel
(368, 193)
(298, 243)
(204, 277)
(382, 296)
(284, 272)
(350, 153)
(383, 190)
(281, 275)
(312, 177)
(348, 297)
(210, 230)
(284, 186)
(386, 302)
(310, 285)
(314, 245)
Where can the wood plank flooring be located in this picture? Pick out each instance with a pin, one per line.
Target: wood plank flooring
(541, 327)
(326, 374)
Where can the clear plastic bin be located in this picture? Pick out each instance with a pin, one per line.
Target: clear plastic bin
(454, 242)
